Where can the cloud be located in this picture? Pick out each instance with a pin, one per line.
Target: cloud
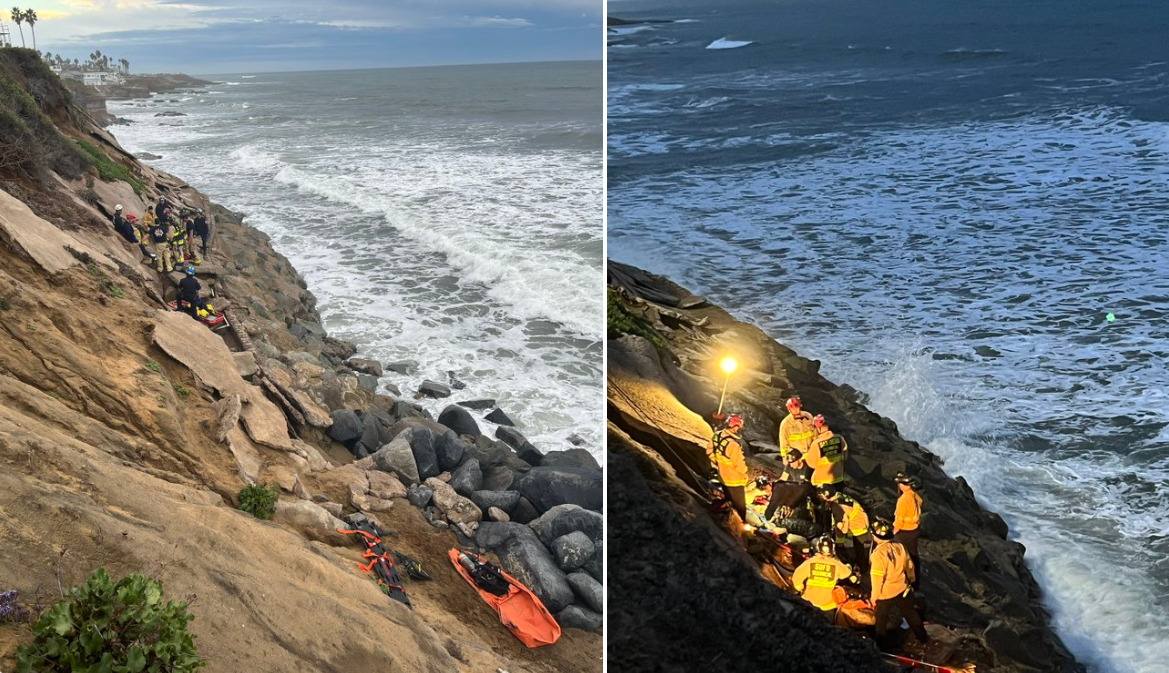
(196, 35)
(495, 22)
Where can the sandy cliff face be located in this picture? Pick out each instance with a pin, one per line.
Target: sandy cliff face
(975, 583)
(126, 433)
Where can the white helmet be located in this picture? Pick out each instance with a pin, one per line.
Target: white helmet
(118, 207)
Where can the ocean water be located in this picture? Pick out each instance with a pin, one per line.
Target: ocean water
(944, 202)
(451, 216)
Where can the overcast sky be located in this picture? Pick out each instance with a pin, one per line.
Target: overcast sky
(230, 36)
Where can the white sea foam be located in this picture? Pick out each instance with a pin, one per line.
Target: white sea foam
(725, 43)
(629, 30)
(454, 251)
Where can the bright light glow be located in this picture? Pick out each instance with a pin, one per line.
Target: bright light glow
(728, 365)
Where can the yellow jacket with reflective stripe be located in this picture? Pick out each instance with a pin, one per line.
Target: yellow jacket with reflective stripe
(850, 520)
(796, 432)
(891, 570)
(728, 458)
(908, 514)
(826, 457)
(816, 577)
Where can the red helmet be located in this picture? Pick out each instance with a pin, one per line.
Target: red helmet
(819, 421)
(794, 401)
(734, 421)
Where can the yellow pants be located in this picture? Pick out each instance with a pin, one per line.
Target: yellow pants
(164, 262)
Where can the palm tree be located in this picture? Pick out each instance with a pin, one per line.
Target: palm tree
(125, 66)
(17, 18)
(30, 15)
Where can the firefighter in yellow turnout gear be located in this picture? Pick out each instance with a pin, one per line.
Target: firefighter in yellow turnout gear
(816, 577)
(851, 523)
(160, 234)
(826, 456)
(796, 430)
(725, 452)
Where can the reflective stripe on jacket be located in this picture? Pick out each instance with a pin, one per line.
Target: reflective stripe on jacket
(891, 570)
(908, 514)
(816, 577)
(850, 520)
(826, 457)
(726, 453)
(796, 432)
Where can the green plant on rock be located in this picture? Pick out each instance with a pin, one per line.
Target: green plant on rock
(154, 366)
(259, 500)
(119, 627)
(115, 290)
(107, 168)
(5, 305)
(182, 390)
(620, 321)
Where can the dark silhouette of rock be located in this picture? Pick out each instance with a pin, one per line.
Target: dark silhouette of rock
(570, 458)
(588, 590)
(460, 420)
(467, 479)
(434, 389)
(347, 427)
(449, 450)
(573, 550)
(477, 405)
(497, 416)
(504, 500)
(577, 617)
(547, 487)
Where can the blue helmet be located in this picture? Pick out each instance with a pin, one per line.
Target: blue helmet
(190, 271)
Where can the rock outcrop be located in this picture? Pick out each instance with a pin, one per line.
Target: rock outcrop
(700, 574)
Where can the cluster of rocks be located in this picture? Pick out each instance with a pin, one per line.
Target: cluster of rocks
(539, 513)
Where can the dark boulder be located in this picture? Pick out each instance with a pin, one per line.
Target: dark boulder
(422, 444)
(467, 479)
(347, 426)
(588, 590)
(570, 458)
(449, 450)
(402, 366)
(478, 405)
(371, 436)
(434, 389)
(577, 617)
(585, 521)
(363, 366)
(497, 416)
(573, 550)
(493, 454)
(460, 420)
(510, 436)
(419, 495)
(524, 512)
(547, 487)
(498, 478)
(492, 534)
(529, 561)
(504, 500)
(596, 565)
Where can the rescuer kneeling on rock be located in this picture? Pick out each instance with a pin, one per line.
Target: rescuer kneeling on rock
(189, 299)
(892, 575)
(816, 577)
(726, 456)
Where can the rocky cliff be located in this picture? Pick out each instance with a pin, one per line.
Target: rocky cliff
(693, 585)
(127, 432)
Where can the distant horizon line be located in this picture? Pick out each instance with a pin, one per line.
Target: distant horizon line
(380, 67)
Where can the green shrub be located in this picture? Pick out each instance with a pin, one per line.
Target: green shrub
(180, 389)
(154, 366)
(121, 627)
(259, 500)
(621, 321)
(5, 305)
(107, 168)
